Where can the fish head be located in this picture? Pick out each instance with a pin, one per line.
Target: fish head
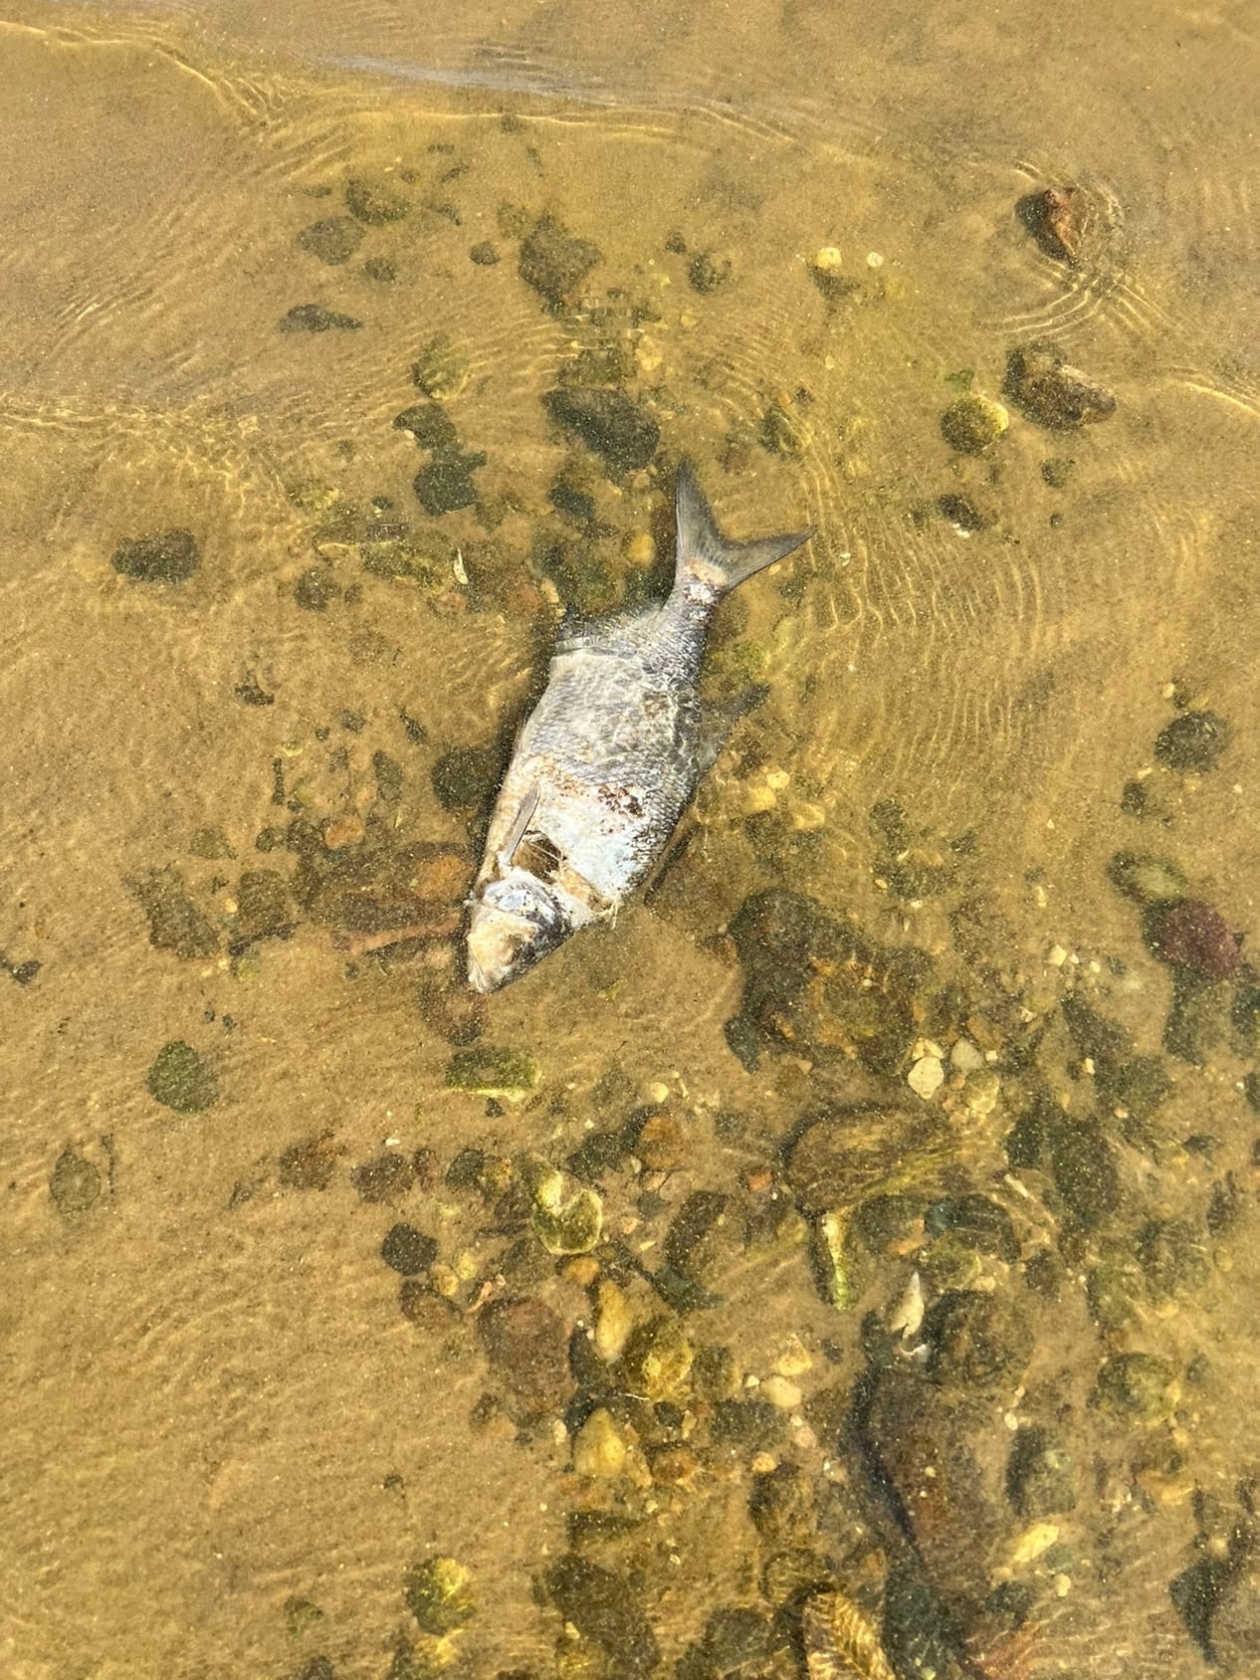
(515, 922)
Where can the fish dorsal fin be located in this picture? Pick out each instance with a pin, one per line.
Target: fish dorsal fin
(708, 557)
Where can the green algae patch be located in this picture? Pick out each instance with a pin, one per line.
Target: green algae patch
(511, 1074)
(182, 1079)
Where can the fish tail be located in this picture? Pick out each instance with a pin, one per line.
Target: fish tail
(711, 561)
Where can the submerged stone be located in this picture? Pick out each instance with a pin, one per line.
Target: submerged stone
(181, 1079)
(610, 423)
(1051, 393)
(1041, 1477)
(438, 1592)
(602, 1608)
(375, 202)
(1193, 742)
(445, 484)
(314, 318)
(75, 1183)
(175, 922)
(164, 557)
(555, 262)
(333, 240)
(971, 424)
(1140, 1386)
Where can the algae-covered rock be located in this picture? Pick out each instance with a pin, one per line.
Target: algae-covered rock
(1137, 1386)
(1051, 393)
(846, 1154)
(465, 776)
(1193, 742)
(441, 369)
(489, 1072)
(527, 1344)
(1146, 878)
(408, 1251)
(334, 240)
(555, 262)
(979, 1341)
(375, 201)
(314, 318)
(163, 557)
(563, 1225)
(1041, 1477)
(1085, 1172)
(181, 1079)
(610, 423)
(75, 1183)
(602, 1608)
(438, 1592)
(657, 1360)
(971, 424)
(814, 985)
(598, 1447)
(175, 922)
(445, 483)
(1173, 1258)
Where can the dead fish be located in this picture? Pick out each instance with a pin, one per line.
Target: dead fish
(608, 760)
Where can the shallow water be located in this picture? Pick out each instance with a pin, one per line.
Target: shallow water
(928, 1204)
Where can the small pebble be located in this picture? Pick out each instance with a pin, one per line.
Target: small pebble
(925, 1077)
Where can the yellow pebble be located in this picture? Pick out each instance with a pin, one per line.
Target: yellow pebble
(598, 1450)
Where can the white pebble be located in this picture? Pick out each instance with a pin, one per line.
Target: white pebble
(925, 1076)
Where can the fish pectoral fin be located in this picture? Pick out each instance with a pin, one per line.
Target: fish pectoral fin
(517, 833)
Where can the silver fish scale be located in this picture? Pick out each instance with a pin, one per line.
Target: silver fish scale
(612, 748)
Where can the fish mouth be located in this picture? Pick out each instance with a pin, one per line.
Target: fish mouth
(501, 946)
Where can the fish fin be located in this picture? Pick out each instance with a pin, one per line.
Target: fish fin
(718, 721)
(517, 832)
(705, 555)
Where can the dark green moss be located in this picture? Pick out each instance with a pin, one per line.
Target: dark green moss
(164, 557)
(484, 253)
(617, 429)
(333, 240)
(181, 1079)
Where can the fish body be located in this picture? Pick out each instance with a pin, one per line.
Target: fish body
(609, 758)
